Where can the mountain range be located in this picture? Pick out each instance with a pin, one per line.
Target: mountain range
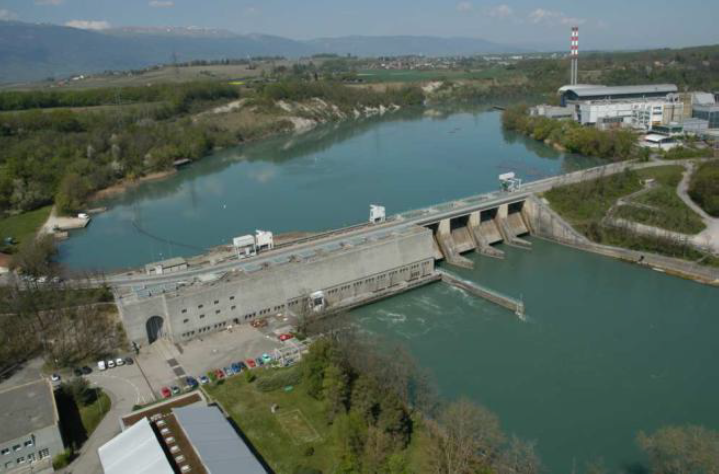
(30, 52)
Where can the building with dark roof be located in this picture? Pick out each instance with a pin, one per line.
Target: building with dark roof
(595, 92)
(29, 429)
(180, 436)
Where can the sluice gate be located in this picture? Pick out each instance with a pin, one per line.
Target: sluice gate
(513, 304)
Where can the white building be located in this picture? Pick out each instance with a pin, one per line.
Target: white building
(659, 142)
(637, 107)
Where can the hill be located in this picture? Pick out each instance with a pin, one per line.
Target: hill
(31, 52)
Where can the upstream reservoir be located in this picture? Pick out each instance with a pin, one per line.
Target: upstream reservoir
(608, 349)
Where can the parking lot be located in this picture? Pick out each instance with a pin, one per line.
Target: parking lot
(166, 364)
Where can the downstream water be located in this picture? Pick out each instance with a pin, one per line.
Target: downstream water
(321, 180)
(609, 349)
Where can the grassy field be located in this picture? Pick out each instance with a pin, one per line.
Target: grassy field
(585, 204)
(93, 414)
(23, 226)
(298, 434)
(671, 213)
(282, 438)
(413, 75)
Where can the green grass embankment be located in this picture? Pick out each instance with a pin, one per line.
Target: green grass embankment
(23, 226)
(669, 211)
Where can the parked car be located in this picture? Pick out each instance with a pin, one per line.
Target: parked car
(251, 363)
(285, 337)
(119, 361)
(204, 380)
(101, 365)
(266, 358)
(219, 374)
(86, 370)
(129, 360)
(259, 361)
(242, 365)
(236, 368)
(175, 390)
(110, 364)
(166, 392)
(55, 378)
(191, 382)
(228, 371)
(77, 372)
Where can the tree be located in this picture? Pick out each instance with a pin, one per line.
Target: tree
(36, 257)
(336, 390)
(520, 457)
(466, 438)
(72, 193)
(681, 450)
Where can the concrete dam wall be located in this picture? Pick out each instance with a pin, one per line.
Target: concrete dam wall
(344, 273)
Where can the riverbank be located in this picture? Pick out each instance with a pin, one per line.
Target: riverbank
(127, 184)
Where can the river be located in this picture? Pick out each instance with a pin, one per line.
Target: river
(608, 349)
(321, 180)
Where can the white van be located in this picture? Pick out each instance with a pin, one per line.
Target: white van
(101, 365)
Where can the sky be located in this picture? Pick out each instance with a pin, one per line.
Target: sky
(606, 24)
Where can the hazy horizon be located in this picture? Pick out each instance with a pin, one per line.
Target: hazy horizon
(609, 25)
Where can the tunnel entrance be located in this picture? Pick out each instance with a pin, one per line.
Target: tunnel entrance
(154, 328)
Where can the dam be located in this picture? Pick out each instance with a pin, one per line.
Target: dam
(335, 270)
(330, 272)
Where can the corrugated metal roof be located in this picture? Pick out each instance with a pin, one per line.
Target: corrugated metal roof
(220, 448)
(622, 90)
(135, 450)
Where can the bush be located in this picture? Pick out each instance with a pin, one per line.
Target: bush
(704, 187)
(63, 459)
(279, 379)
(250, 376)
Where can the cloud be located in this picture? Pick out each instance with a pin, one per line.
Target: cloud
(49, 2)
(251, 11)
(464, 7)
(550, 17)
(7, 15)
(500, 11)
(161, 3)
(88, 24)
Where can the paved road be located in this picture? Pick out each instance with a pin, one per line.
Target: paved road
(124, 393)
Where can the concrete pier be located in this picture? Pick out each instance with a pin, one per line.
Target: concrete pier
(447, 245)
(513, 304)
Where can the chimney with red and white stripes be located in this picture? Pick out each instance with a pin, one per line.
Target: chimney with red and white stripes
(574, 56)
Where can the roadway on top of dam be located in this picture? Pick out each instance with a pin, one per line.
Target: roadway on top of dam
(421, 217)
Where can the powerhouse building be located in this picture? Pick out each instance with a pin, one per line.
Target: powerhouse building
(328, 275)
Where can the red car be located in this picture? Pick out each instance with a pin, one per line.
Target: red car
(166, 393)
(219, 374)
(284, 337)
(251, 363)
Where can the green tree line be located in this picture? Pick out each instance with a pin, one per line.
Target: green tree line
(614, 145)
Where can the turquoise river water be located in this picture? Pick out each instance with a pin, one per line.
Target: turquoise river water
(608, 349)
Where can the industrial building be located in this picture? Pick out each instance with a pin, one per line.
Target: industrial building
(638, 107)
(706, 108)
(29, 429)
(183, 435)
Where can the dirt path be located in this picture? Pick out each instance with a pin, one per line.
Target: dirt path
(709, 237)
